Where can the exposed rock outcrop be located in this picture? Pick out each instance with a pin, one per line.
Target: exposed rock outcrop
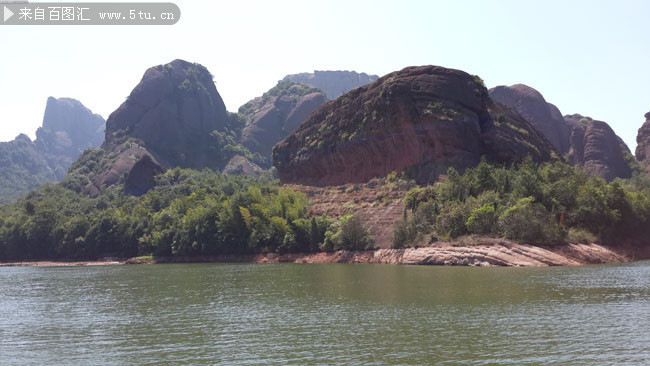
(597, 148)
(141, 178)
(643, 143)
(68, 129)
(239, 165)
(590, 144)
(420, 119)
(531, 105)
(333, 83)
(273, 116)
(499, 254)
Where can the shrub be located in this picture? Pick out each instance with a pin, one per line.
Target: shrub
(529, 222)
(450, 223)
(582, 236)
(483, 220)
(348, 233)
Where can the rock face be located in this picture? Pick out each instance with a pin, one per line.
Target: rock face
(273, 116)
(482, 255)
(421, 120)
(173, 118)
(643, 143)
(172, 112)
(333, 83)
(141, 178)
(68, 129)
(590, 144)
(531, 105)
(597, 148)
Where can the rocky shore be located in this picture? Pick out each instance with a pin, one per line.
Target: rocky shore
(486, 255)
(501, 254)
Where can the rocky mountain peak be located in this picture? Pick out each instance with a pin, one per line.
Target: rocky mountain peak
(333, 83)
(173, 112)
(68, 129)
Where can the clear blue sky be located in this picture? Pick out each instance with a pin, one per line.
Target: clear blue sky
(588, 57)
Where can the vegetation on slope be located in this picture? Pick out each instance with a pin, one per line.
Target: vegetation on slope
(187, 213)
(529, 203)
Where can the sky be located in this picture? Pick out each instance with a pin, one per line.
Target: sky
(587, 57)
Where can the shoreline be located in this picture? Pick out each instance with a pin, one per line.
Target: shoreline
(499, 254)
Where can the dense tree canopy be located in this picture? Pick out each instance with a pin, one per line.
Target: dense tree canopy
(187, 213)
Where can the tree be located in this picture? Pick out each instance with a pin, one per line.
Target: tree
(529, 222)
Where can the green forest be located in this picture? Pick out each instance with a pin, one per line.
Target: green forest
(191, 213)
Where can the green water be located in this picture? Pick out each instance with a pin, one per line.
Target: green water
(324, 314)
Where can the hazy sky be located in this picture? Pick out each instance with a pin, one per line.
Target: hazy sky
(588, 57)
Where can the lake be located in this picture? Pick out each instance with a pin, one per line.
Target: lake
(324, 314)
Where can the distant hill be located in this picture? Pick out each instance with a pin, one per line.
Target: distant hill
(68, 129)
(333, 83)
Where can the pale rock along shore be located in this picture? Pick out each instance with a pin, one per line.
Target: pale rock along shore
(503, 254)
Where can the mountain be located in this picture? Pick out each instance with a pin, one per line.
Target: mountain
(333, 83)
(422, 120)
(68, 129)
(643, 144)
(590, 144)
(531, 105)
(174, 117)
(597, 148)
(273, 116)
